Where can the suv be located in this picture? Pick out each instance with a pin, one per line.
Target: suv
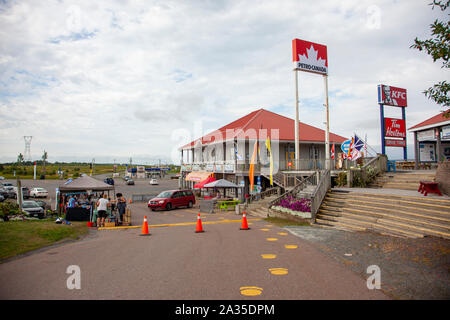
(172, 199)
(109, 181)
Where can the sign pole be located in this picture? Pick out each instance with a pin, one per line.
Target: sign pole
(297, 151)
(383, 147)
(327, 132)
(405, 153)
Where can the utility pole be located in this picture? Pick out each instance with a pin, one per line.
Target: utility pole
(19, 194)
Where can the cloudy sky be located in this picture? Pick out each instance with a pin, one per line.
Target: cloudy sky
(119, 79)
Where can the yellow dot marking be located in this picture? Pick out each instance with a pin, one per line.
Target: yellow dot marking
(271, 239)
(250, 223)
(221, 218)
(265, 229)
(291, 246)
(268, 256)
(278, 271)
(282, 233)
(251, 291)
(268, 225)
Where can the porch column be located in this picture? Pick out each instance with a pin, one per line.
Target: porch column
(438, 144)
(416, 151)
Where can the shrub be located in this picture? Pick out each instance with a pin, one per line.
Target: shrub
(341, 179)
(302, 205)
(8, 208)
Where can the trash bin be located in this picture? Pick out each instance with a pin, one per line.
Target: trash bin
(239, 208)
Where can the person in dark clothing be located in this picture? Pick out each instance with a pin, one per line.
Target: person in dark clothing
(121, 205)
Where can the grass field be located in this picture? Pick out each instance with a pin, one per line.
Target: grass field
(17, 237)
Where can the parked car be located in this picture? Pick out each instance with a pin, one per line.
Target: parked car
(44, 205)
(2, 178)
(33, 209)
(7, 184)
(8, 192)
(126, 178)
(176, 176)
(2, 198)
(172, 199)
(153, 181)
(109, 181)
(25, 192)
(130, 182)
(38, 192)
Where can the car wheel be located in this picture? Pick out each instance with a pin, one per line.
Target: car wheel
(153, 209)
(190, 204)
(168, 206)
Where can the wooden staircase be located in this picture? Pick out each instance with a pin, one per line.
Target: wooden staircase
(402, 180)
(403, 216)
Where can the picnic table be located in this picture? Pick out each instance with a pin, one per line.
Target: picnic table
(429, 187)
(225, 204)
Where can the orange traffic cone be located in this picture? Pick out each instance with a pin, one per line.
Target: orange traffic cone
(145, 228)
(244, 222)
(130, 201)
(199, 225)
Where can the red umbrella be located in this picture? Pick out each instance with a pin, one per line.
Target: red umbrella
(202, 183)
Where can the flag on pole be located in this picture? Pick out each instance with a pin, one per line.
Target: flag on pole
(350, 147)
(358, 143)
(251, 171)
(332, 152)
(270, 160)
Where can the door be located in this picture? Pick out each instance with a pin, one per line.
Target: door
(290, 158)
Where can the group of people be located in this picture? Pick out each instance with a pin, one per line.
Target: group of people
(104, 203)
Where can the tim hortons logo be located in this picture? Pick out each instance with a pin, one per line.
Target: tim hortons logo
(395, 128)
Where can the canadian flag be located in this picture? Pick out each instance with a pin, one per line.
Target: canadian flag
(332, 151)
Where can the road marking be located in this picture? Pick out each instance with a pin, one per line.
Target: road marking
(174, 224)
(264, 229)
(251, 291)
(271, 239)
(268, 225)
(282, 233)
(268, 256)
(278, 271)
(291, 246)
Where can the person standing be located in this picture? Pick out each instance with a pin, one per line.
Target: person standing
(102, 206)
(121, 206)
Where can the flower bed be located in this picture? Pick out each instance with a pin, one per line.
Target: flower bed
(293, 206)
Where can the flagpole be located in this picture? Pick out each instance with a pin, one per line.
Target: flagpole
(327, 132)
(297, 151)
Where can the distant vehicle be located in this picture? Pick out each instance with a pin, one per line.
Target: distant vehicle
(176, 176)
(25, 192)
(130, 182)
(109, 181)
(153, 181)
(2, 198)
(33, 209)
(126, 178)
(7, 184)
(2, 178)
(38, 192)
(172, 199)
(8, 192)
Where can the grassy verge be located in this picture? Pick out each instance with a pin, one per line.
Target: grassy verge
(17, 237)
(284, 222)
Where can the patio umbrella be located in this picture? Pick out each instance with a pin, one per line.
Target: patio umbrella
(201, 184)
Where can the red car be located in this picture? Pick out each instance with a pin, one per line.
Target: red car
(172, 199)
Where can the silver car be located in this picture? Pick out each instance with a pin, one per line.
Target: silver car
(33, 209)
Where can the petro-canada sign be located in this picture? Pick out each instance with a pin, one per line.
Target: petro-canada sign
(309, 56)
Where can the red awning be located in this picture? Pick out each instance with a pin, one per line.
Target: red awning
(206, 181)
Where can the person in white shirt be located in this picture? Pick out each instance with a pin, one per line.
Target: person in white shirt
(102, 205)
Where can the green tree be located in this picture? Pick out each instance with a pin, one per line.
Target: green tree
(44, 158)
(20, 159)
(438, 47)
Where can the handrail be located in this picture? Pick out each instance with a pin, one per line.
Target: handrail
(370, 162)
(295, 189)
(320, 191)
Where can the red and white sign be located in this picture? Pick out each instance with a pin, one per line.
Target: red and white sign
(309, 56)
(392, 96)
(395, 143)
(394, 128)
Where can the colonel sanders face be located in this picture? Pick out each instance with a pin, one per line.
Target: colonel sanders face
(387, 94)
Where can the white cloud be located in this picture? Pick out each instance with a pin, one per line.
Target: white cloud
(110, 79)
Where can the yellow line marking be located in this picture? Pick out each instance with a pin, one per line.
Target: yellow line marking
(264, 229)
(291, 246)
(282, 233)
(271, 239)
(278, 271)
(174, 224)
(250, 291)
(268, 256)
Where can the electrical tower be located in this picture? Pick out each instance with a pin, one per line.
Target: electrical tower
(27, 152)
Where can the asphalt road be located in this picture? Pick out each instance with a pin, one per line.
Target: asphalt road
(174, 262)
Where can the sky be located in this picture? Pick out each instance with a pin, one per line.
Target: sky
(110, 80)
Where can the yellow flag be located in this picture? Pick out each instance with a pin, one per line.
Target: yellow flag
(270, 160)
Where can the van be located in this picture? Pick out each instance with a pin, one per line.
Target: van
(172, 199)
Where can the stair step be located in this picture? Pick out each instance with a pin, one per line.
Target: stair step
(431, 201)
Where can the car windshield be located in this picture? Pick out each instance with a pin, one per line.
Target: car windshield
(30, 204)
(164, 194)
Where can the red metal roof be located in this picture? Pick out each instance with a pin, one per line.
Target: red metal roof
(433, 120)
(263, 119)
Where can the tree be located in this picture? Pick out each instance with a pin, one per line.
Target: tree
(44, 158)
(20, 159)
(438, 47)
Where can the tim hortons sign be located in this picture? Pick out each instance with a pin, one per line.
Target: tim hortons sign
(394, 128)
(309, 56)
(392, 96)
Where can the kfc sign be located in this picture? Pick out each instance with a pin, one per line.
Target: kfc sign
(391, 96)
(394, 128)
(395, 143)
(309, 56)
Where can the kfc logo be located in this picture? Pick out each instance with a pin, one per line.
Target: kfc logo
(392, 96)
(394, 128)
